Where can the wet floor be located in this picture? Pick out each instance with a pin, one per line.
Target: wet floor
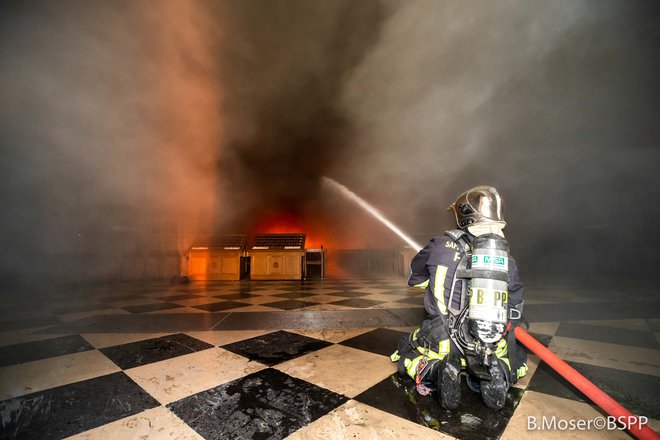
(273, 360)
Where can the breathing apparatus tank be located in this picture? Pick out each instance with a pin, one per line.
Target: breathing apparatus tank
(487, 317)
(488, 306)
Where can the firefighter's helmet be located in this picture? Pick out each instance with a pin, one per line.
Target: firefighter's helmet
(480, 205)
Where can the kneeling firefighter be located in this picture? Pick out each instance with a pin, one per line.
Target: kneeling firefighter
(474, 299)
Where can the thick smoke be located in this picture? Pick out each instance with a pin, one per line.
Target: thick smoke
(283, 68)
(554, 103)
(410, 103)
(110, 134)
(122, 119)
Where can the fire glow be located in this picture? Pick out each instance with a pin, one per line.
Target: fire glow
(285, 222)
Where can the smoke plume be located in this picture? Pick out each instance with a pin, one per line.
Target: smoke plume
(553, 103)
(129, 128)
(110, 132)
(284, 67)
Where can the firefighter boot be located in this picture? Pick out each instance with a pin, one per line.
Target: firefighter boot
(494, 391)
(449, 381)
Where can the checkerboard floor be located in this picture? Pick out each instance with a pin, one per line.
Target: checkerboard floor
(295, 360)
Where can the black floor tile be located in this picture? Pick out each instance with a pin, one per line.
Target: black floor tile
(290, 304)
(197, 290)
(141, 323)
(276, 347)
(25, 304)
(654, 324)
(284, 286)
(410, 292)
(151, 307)
(392, 293)
(78, 309)
(416, 300)
(413, 316)
(245, 320)
(148, 290)
(32, 351)
(29, 323)
(617, 294)
(70, 409)
(380, 341)
(265, 405)
(636, 392)
(306, 288)
(329, 286)
(293, 295)
(608, 334)
(153, 350)
(350, 294)
(546, 380)
(260, 288)
(239, 295)
(220, 306)
(307, 318)
(471, 420)
(592, 311)
(118, 298)
(180, 297)
(357, 302)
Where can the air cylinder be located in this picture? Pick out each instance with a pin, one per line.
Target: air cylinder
(489, 269)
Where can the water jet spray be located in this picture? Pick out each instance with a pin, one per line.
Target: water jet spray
(370, 209)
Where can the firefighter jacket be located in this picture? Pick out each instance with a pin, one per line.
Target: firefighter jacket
(434, 268)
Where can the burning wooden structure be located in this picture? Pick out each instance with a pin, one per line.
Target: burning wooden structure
(278, 257)
(218, 258)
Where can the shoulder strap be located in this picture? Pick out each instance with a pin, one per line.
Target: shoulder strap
(464, 241)
(461, 238)
(455, 233)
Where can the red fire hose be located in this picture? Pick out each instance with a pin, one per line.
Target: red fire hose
(598, 396)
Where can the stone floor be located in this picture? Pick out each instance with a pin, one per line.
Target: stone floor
(295, 360)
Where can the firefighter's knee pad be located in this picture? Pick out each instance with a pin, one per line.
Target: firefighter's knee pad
(514, 361)
(408, 365)
(521, 372)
